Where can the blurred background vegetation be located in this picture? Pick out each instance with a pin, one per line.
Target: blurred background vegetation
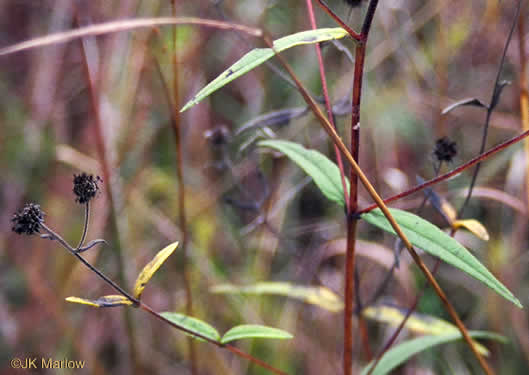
(251, 216)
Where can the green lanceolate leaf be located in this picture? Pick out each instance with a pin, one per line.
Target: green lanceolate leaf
(315, 295)
(402, 352)
(258, 56)
(434, 241)
(252, 331)
(324, 172)
(194, 325)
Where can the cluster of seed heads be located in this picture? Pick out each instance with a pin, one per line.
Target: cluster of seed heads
(30, 218)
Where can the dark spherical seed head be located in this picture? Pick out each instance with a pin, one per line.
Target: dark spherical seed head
(445, 149)
(28, 220)
(85, 187)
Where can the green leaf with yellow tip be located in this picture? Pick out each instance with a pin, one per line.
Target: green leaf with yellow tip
(149, 270)
(258, 56)
(105, 301)
(253, 331)
(315, 295)
(416, 323)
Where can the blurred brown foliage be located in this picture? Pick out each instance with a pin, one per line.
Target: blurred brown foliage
(250, 217)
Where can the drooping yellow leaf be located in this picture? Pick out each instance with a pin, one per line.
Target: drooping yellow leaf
(473, 226)
(105, 301)
(417, 323)
(317, 295)
(151, 267)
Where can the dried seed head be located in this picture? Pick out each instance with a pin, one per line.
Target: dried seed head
(28, 220)
(445, 149)
(85, 187)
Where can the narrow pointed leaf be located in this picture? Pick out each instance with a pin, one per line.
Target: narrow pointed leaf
(105, 301)
(404, 351)
(434, 241)
(252, 331)
(194, 325)
(151, 267)
(317, 295)
(323, 171)
(258, 56)
(416, 323)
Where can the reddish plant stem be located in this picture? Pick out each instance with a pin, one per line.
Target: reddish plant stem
(182, 219)
(328, 103)
(454, 172)
(349, 294)
(352, 220)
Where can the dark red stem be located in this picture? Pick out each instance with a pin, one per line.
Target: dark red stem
(353, 192)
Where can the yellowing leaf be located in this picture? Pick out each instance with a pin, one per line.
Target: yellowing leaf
(105, 301)
(317, 295)
(473, 226)
(417, 323)
(151, 267)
